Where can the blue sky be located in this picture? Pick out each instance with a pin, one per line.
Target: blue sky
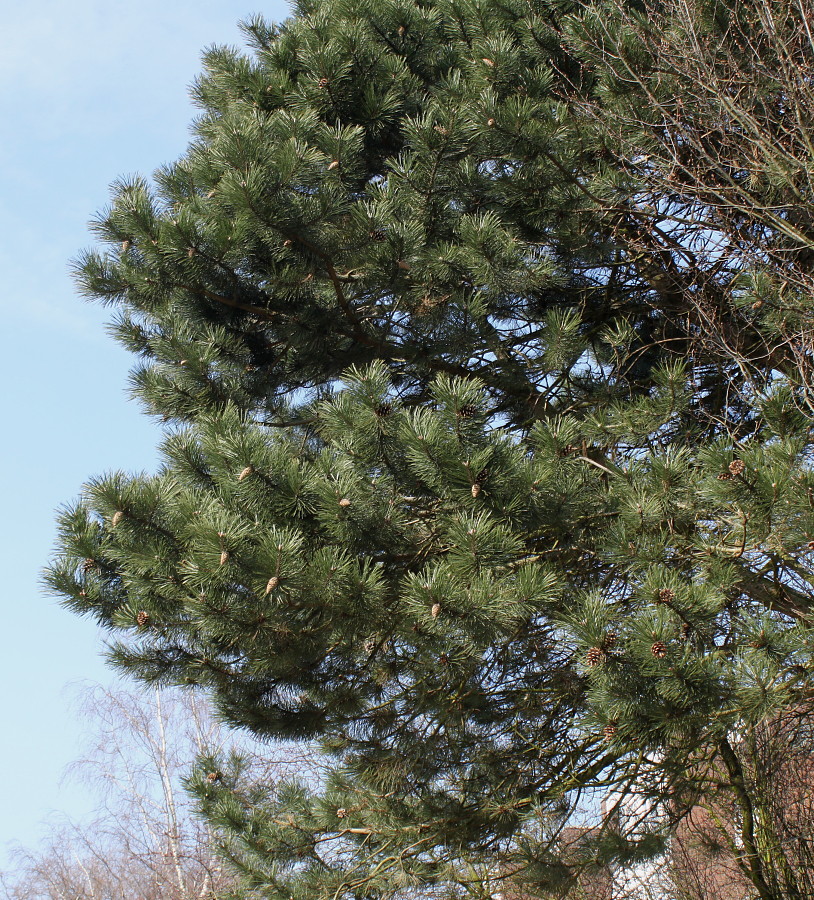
(89, 91)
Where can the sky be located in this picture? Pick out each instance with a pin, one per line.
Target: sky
(89, 91)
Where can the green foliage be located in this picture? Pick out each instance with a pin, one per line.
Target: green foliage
(452, 485)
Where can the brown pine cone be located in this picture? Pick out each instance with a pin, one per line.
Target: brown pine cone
(213, 777)
(659, 649)
(323, 83)
(737, 467)
(610, 640)
(594, 656)
(667, 595)
(384, 410)
(142, 618)
(467, 411)
(724, 476)
(609, 731)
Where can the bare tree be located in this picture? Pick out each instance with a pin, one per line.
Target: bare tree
(760, 794)
(708, 106)
(144, 841)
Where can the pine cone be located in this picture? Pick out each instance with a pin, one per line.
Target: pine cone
(724, 476)
(737, 467)
(610, 640)
(475, 490)
(594, 656)
(117, 517)
(245, 473)
(341, 813)
(659, 649)
(384, 410)
(323, 83)
(686, 630)
(481, 477)
(467, 411)
(667, 595)
(436, 610)
(89, 565)
(811, 545)
(142, 618)
(214, 777)
(224, 557)
(491, 123)
(609, 731)
(272, 584)
(378, 235)
(344, 503)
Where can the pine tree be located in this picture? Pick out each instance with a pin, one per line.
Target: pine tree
(455, 482)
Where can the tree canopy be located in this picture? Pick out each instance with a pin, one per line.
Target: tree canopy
(481, 335)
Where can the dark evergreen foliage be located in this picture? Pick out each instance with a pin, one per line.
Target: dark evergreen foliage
(458, 482)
